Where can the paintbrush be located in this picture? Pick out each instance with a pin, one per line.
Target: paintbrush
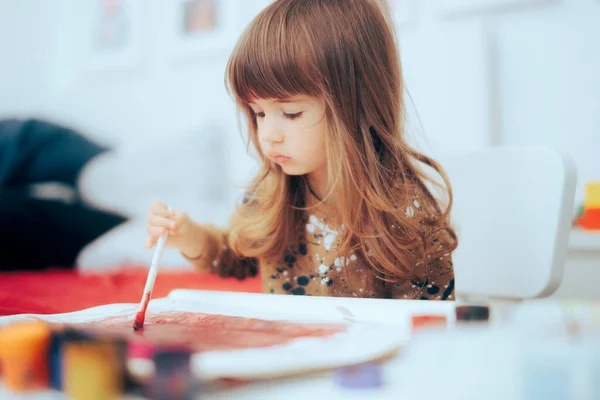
(138, 323)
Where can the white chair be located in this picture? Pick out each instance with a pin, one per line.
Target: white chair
(512, 211)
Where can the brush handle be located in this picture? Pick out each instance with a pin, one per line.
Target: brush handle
(156, 261)
(154, 266)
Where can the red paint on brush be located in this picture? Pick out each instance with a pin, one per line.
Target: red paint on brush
(141, 315)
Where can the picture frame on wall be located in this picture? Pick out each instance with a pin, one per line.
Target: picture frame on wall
(112, 32)
(202, 27)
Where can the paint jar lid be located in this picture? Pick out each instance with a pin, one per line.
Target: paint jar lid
(173, 378)
(419, 321)
(74, 334)
(140, 349)
(363, 376)
(167, 358)
(472, 313)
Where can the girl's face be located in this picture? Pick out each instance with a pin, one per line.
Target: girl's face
(292, 133)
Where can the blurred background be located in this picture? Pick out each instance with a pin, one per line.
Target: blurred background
(145, 78)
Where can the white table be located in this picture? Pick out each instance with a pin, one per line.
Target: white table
(455, 364)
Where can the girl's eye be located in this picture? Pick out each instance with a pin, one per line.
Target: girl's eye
(293, 116)
(259, 114)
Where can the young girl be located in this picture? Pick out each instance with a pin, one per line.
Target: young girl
(341, 206)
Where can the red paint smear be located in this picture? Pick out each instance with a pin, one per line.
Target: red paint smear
(206, 332)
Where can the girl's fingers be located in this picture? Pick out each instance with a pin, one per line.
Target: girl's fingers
(156, 230)
(149, 242)
(161, 221)
(158, 221)
(181, 219)
(158, 208)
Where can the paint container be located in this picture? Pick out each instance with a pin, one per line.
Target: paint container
(59, 337)
(140, 367)
(552, 370)
(24, 355)
(419, 322)
(472, 314)
(139, 360)
(55, 360)
(363, 376)
(93, 369)
(173, 378)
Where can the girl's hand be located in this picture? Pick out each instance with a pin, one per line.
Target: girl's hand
(160, 221)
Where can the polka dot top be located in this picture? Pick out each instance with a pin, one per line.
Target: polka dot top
(315, 267)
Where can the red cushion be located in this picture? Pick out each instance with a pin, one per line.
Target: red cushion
(58, 291)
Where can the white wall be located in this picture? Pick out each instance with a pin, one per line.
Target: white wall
(549, 80)
(27, 39)
(524, 74)
(158, 98)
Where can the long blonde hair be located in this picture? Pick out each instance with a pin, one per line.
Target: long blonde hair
(345, 53)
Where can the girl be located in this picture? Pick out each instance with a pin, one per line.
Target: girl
(341, 206)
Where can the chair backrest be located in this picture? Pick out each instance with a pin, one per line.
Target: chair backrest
(512, 212)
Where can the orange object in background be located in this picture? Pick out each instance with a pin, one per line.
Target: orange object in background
(428, 321)
(24, 355)
(590, 219)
